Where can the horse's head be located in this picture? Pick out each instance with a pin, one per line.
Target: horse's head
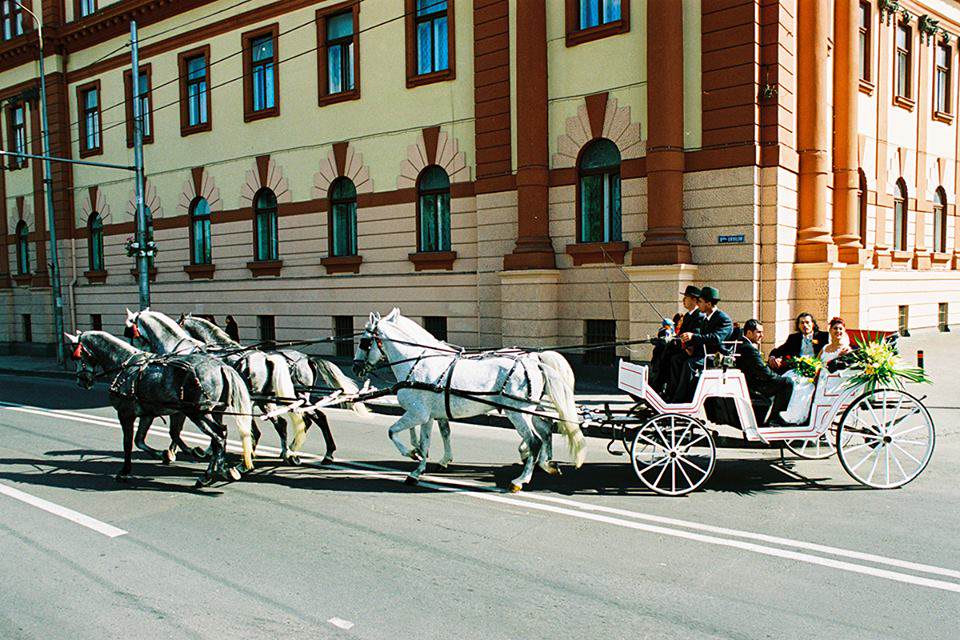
(132, 328)
(86, 360)
(369, 352)
(184, 318)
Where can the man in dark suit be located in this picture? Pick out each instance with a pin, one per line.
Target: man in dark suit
(666, 354)
(761, 379)
(807, 341)
(713, 328)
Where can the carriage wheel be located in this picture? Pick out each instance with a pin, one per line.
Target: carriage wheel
(673, 454)
(810, 449)
(886, 438)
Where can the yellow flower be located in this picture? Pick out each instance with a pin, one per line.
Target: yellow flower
(870, 370)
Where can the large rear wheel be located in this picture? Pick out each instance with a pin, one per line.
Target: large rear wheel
(886, 438)
(673, 454)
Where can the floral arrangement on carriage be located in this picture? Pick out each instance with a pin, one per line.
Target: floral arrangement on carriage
(805, 366)
(877, 363)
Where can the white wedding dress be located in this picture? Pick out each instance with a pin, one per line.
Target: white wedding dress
(803, 389)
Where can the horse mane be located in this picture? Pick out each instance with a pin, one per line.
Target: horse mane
(220, 334)
(167, 323)
(415, 333)
(110, 342)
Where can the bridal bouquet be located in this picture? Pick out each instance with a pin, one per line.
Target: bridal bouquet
(805, 366)
(877, 364)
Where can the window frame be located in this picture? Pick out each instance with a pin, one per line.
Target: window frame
(862, 206)
(865, 73)
(12, 13)
(944, 115)
(145, 70)
(274, 253)
(192, 220)
(183, 59)
(324, 96)
(249, 115)
(331, 214)
(421, 193)
(415, 79)
(581, 173)
(901, 196)
(95, 244)
(78, 13)
(15, 163)
(903, 99)
(22, 237)
(575, 35)
(82, 90)
(939, 226)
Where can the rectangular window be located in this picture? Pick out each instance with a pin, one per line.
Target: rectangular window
(941, 85)
(340, 53)
(194, 90)
(12, 17)
(27, 324)
(145, 99)
(903, 319)
(588, 20)
(17, 119)
(903, 60)
(338, 39)
(96, 322)
(863, 45)
(437, 326)
(597, 332)
(430, 46)
(88, 101)
(343, 331)
(594, 13)
(939, 228)
(261, 80)
(943, 317)
(85, 8)
(268, 328)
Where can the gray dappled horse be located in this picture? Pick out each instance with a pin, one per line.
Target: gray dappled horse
(451, 386)
(305, 371)
(267, 375)
(145, 385)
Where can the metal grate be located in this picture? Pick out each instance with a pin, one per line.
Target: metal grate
(943, 317)
(437, 326)
(96, 321)
(600, 332)
(268, 328)
(342, 329)
(903, 319)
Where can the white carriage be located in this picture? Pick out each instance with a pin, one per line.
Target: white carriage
(884, 437)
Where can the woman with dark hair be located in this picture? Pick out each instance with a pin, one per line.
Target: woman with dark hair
(232, 329)
(807, 341)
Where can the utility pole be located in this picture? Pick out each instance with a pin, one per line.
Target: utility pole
(48, 189)
(145, 247)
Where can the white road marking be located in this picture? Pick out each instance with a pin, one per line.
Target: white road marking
(340, 622)
(69, 514)
(595, 513)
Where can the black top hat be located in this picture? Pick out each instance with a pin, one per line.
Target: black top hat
(691, 291)
(710, 295)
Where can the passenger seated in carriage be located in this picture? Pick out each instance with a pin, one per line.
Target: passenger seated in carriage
(668, 354)
(707, 338)
(804, 387)
(807, 341)
(761, 379)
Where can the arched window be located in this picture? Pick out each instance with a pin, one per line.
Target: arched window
(23, 248)
(940, 220)
(862, 208)
(599, 198)
(95, 244)
(900, 217)
(265, 226)
(343, 218)
(433, 186)
(200, 252)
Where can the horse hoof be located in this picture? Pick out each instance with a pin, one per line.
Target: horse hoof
(415, 455)
(411, 481)
(515, 488)
(294, 460)
(327, 459)
(199, 454)
(169, 457)
(553, 470)
(234, 474)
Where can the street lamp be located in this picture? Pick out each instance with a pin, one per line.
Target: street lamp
(48, 189)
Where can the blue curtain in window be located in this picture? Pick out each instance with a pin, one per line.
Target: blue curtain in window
(600, 214)
(434, 187)
(343, 215)
(200, 226)
(265, 214)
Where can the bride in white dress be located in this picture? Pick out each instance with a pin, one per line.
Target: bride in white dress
(803, 387)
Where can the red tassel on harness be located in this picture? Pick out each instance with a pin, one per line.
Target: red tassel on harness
(136, 330)
(76, 352)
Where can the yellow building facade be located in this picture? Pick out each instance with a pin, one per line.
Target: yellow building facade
(508, 171)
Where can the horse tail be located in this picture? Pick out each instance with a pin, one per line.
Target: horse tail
(281, 383)
(558, 362)
(240, 406)
(336, 378)
(561, 396)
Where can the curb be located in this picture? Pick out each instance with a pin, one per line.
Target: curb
(59, 375)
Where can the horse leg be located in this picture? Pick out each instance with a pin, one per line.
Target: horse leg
(210, 428)
(445, 436)
(425, 431)
(126, 421)
(321, 420)
(524, 426)
(255, 432)
(285, 454)
(407, 421)
(176, 441)
(140, 439)
(544, 429)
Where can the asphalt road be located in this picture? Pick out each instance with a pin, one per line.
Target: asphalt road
(350, 551)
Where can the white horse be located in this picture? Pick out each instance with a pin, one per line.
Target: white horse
(439, 383)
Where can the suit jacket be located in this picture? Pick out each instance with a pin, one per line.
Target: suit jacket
(760, 378)
(690, 321)
(792, 346)
(711, 334)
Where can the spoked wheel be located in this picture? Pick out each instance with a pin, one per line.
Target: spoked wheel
(819, 449)
(886, 438)
(673, 454)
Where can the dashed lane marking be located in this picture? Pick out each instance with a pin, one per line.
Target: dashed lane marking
(68, 514)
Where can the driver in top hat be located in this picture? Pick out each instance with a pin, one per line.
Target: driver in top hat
(666, 355)
(713, 329)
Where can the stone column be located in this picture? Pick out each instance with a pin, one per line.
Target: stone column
(814, 241)
(665, 241)
(846, 180)
(533, 250)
